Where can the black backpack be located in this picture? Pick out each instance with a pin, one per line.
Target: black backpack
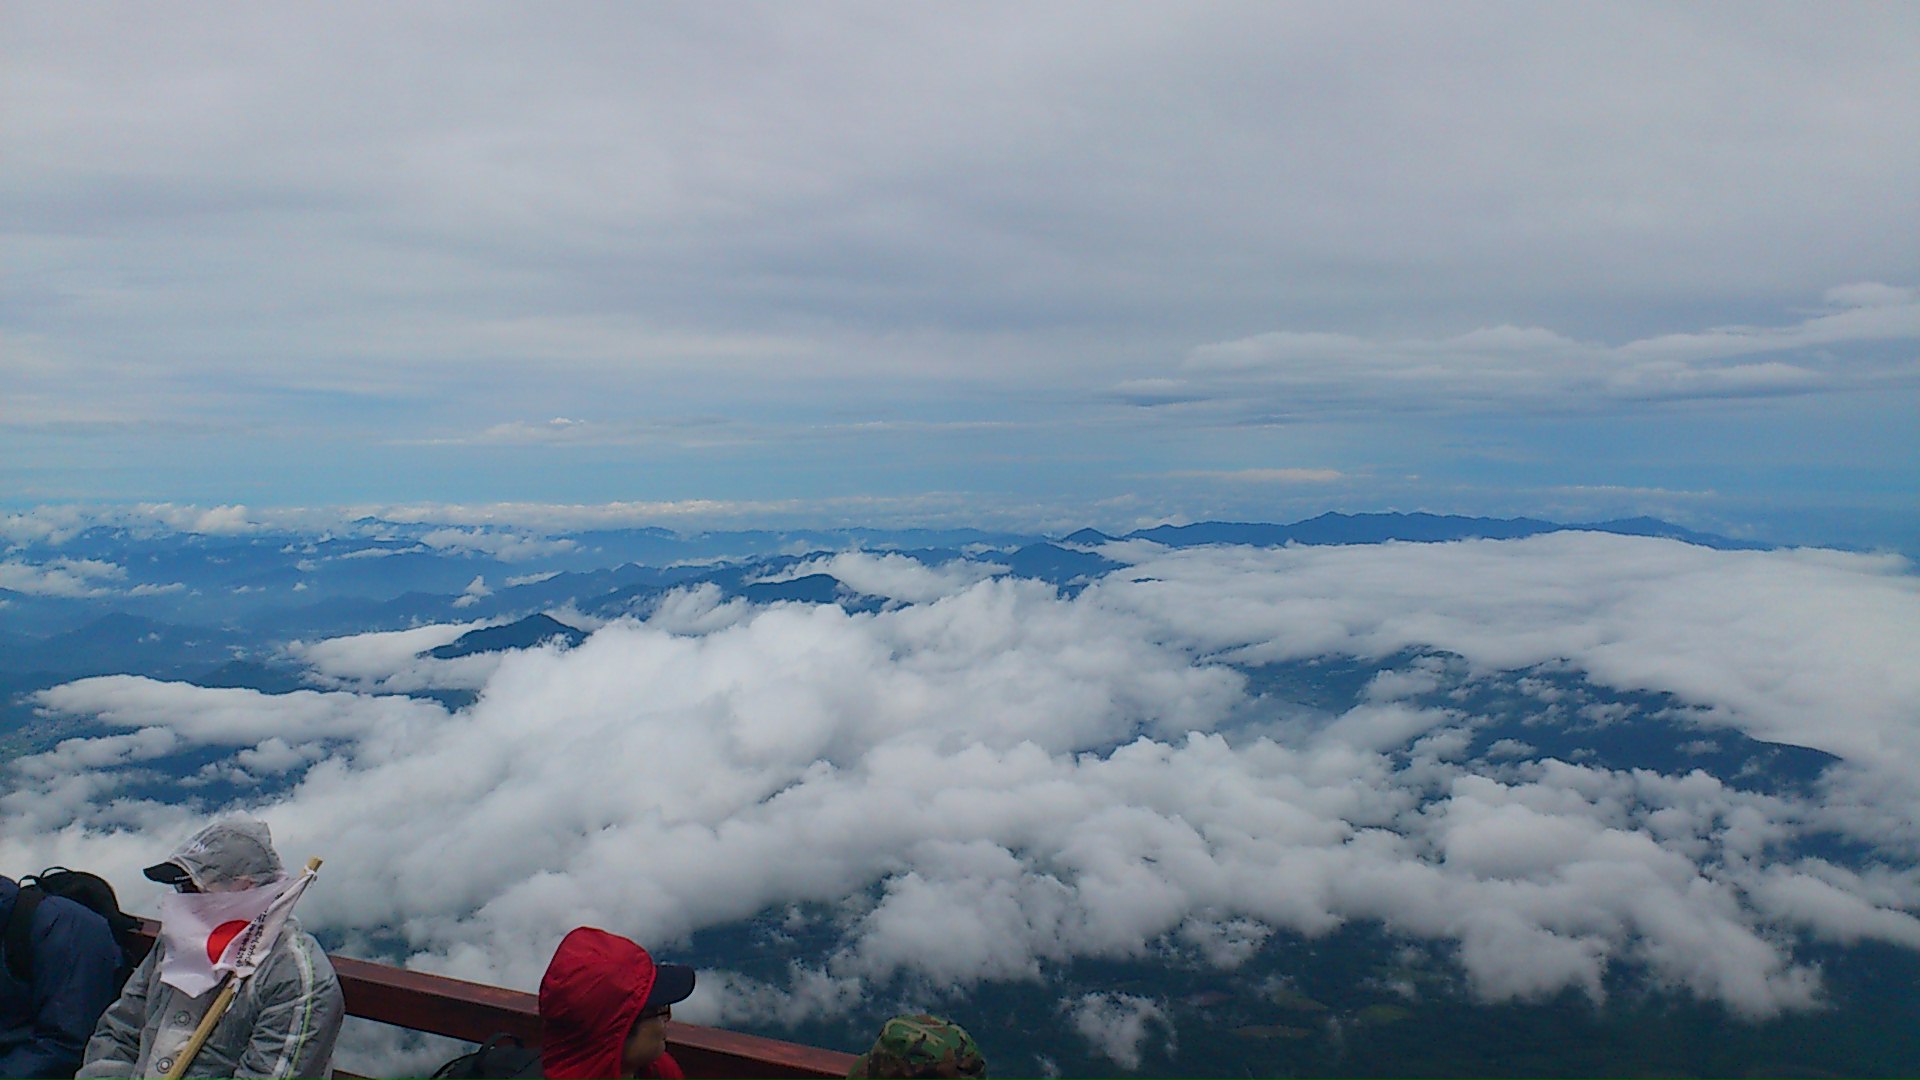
(90, 891)
(495, 1060)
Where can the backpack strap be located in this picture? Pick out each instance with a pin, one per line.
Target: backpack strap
(18, 938)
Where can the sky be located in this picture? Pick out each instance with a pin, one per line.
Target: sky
(1074, 777)
(1083, 264)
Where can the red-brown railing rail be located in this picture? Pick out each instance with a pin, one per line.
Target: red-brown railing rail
(474, 1012)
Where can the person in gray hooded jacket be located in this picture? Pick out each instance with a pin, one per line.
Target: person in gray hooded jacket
(285, 1017)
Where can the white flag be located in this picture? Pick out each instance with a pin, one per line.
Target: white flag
(208, 935)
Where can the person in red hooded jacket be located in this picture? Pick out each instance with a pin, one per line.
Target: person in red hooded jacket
(604, 1006)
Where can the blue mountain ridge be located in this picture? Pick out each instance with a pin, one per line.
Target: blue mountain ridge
(1336, 528)
(210, 599)
(534, 630)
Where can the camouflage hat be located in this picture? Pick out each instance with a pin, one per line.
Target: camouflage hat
(920, 1045)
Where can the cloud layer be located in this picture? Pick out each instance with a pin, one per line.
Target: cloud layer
(996, 780)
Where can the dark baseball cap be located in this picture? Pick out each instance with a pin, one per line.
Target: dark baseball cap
(671, 983)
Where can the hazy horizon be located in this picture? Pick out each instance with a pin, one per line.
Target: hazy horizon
(524, 530)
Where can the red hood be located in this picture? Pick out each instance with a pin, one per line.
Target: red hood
(592, 992)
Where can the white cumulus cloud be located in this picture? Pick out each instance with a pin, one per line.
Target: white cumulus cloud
(1000, 779)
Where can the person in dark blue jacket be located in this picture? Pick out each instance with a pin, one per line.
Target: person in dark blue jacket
(44, 1024)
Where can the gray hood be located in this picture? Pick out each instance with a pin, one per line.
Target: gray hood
(229, 851)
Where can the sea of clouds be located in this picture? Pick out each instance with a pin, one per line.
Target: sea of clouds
(991, 777)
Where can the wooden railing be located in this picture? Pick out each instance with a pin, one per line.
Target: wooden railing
(474, 1012)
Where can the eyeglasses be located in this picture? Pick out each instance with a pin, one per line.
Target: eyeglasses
(664, 1012)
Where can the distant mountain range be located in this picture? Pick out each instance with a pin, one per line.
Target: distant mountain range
(1381, 528)
(219, 609)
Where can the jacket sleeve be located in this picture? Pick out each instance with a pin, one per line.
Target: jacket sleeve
(74, 960)
(114, 1049)
(298, 1015)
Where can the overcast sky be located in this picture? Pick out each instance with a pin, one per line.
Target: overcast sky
(1100, 264)
(997, 780)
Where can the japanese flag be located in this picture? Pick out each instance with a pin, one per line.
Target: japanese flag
(208, 935)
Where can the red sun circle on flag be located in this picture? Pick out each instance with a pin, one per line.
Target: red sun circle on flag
(221, 937)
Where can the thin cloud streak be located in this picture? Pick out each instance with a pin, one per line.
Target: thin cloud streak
(1527, 369)
(1264, 476)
